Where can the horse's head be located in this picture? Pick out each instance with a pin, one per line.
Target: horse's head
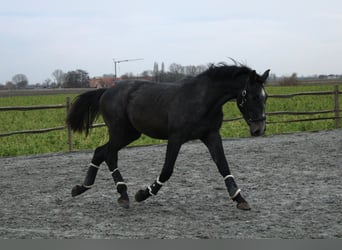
(252, 102)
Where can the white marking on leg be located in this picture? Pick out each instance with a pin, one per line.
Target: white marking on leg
(159, 182)
(236, 194)
(114, 171)
(150, 190)
(93, 165)
(120, 183)
(228, 176)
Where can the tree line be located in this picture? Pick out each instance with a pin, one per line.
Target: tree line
(80, 78)
(73, 79)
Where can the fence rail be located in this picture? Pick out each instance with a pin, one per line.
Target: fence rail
(26, 108)
(336, 111)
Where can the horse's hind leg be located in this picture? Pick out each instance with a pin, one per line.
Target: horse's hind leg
(98, 158)
(121, 187)
(119, 138)
(172, 151)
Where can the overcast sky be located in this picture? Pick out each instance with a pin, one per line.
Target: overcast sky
(37, 37)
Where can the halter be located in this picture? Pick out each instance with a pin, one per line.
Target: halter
(244, 99)
(244, 102)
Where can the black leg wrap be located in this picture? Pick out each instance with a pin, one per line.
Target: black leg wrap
(88, 181)
(123, 200)
(232, 188)
(154, 188)
(142, 195)
(121, 187)
(90, 177)
(117, 176)
(234, 193)
(119, 182)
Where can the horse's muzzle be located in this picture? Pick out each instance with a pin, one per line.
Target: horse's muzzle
(257, 128)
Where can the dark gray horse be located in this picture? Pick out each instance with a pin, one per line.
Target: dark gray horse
(179, 112)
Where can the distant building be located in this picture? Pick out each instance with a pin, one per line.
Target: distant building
(105, 81)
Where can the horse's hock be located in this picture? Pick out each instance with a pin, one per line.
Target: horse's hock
(292, 183)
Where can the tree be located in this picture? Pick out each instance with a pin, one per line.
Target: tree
(287, 81)
(47, 82)
(10, 85)
(201, 68)
(20, 80)
(176, 71)
(59, 76)
(190, 70)
(76, 79)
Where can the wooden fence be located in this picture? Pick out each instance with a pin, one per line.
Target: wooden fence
(335, 114)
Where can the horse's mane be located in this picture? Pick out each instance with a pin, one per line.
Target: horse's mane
(223, 71)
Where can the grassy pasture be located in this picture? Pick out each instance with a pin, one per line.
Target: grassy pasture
(56, 141)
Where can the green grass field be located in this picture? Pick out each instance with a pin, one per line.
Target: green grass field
(56, 141)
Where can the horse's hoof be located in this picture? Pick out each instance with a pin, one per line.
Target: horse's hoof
(123, 203)
(77, 190)
(243, 206)
(141, 195)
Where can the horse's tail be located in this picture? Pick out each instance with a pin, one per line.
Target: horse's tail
(84, 111)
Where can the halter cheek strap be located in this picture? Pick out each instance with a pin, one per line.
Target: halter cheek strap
(243, 100)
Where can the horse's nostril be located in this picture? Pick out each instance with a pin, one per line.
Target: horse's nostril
(256, 132)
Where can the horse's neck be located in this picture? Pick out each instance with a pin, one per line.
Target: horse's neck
(221, 92)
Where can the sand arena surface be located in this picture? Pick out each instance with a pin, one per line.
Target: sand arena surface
(292, 182)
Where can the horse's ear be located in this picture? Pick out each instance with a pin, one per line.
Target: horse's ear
(264, 76)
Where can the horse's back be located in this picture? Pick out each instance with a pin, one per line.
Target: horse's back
(143, 105)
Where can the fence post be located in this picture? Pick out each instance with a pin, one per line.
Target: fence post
(68, 106)
(336, 107)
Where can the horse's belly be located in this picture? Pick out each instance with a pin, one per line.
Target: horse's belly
(151, 126)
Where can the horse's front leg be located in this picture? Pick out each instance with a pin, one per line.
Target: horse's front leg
(214, 143)
(172, 151)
